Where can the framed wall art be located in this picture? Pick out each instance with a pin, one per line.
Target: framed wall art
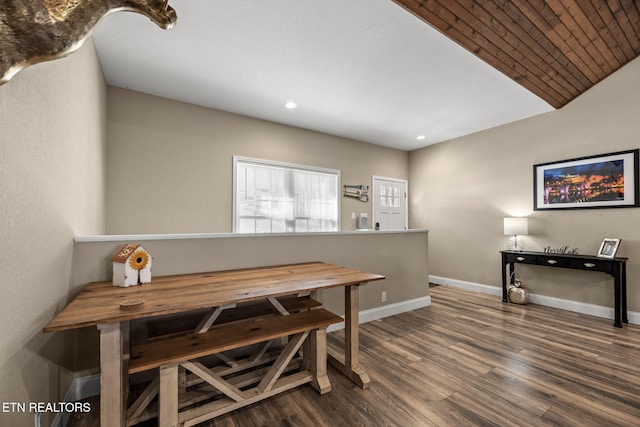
(603, 181)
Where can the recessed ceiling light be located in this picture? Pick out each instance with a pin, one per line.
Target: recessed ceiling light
(420, 137)
(291, 105)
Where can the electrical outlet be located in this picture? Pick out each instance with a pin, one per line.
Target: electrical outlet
(383, 297)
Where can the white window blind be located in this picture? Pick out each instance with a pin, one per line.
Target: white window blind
(273, 197)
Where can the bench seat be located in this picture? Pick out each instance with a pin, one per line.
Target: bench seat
(176, 354)
(172, 325)
(187, 347)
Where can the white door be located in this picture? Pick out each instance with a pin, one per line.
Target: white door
(389, 203)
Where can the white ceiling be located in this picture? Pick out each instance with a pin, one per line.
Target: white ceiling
(361, 69)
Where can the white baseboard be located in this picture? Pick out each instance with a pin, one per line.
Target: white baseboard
(470, 286)
(564, 304)
(85, 387)
(80, 388)
(386, 311)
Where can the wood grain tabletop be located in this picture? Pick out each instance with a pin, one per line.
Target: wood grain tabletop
(101, 302)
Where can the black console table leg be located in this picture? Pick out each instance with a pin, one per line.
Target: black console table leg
(504, 278)
(617, 299)
(623, 267)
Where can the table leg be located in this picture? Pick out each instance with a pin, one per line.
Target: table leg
(617, 298)
(623, 267)
(317, 345)
(168, 396)
(504, 278)
(351, 366)
(112, 389)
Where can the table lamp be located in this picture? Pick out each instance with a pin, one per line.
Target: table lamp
(514, 227)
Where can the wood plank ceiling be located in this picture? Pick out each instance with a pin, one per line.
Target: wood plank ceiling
(557, 49)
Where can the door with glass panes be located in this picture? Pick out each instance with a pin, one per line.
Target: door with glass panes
(389, 199)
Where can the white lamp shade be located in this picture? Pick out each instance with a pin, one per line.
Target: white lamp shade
(514, 226)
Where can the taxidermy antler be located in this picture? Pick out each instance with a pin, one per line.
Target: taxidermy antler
(33, 31)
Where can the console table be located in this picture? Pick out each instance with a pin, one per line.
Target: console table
(615, 267)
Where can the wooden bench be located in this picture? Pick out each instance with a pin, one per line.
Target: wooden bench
(182, 351)
(172, 325)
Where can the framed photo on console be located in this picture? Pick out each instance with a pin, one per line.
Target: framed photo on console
(608, 248)
(603, 181)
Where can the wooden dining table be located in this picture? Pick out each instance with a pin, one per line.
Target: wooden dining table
(111, 309)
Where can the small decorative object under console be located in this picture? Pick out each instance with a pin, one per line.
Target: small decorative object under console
(615, 267)
(517, 294)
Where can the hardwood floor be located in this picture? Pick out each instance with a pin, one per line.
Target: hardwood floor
(470, 360)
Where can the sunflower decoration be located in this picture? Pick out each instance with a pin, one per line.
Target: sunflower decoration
(139, 260)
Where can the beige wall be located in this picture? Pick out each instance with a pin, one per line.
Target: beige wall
(170, 163)
(460, 190)
(401, 257)
(52, 132)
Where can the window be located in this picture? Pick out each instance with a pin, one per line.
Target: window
(272, 197)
